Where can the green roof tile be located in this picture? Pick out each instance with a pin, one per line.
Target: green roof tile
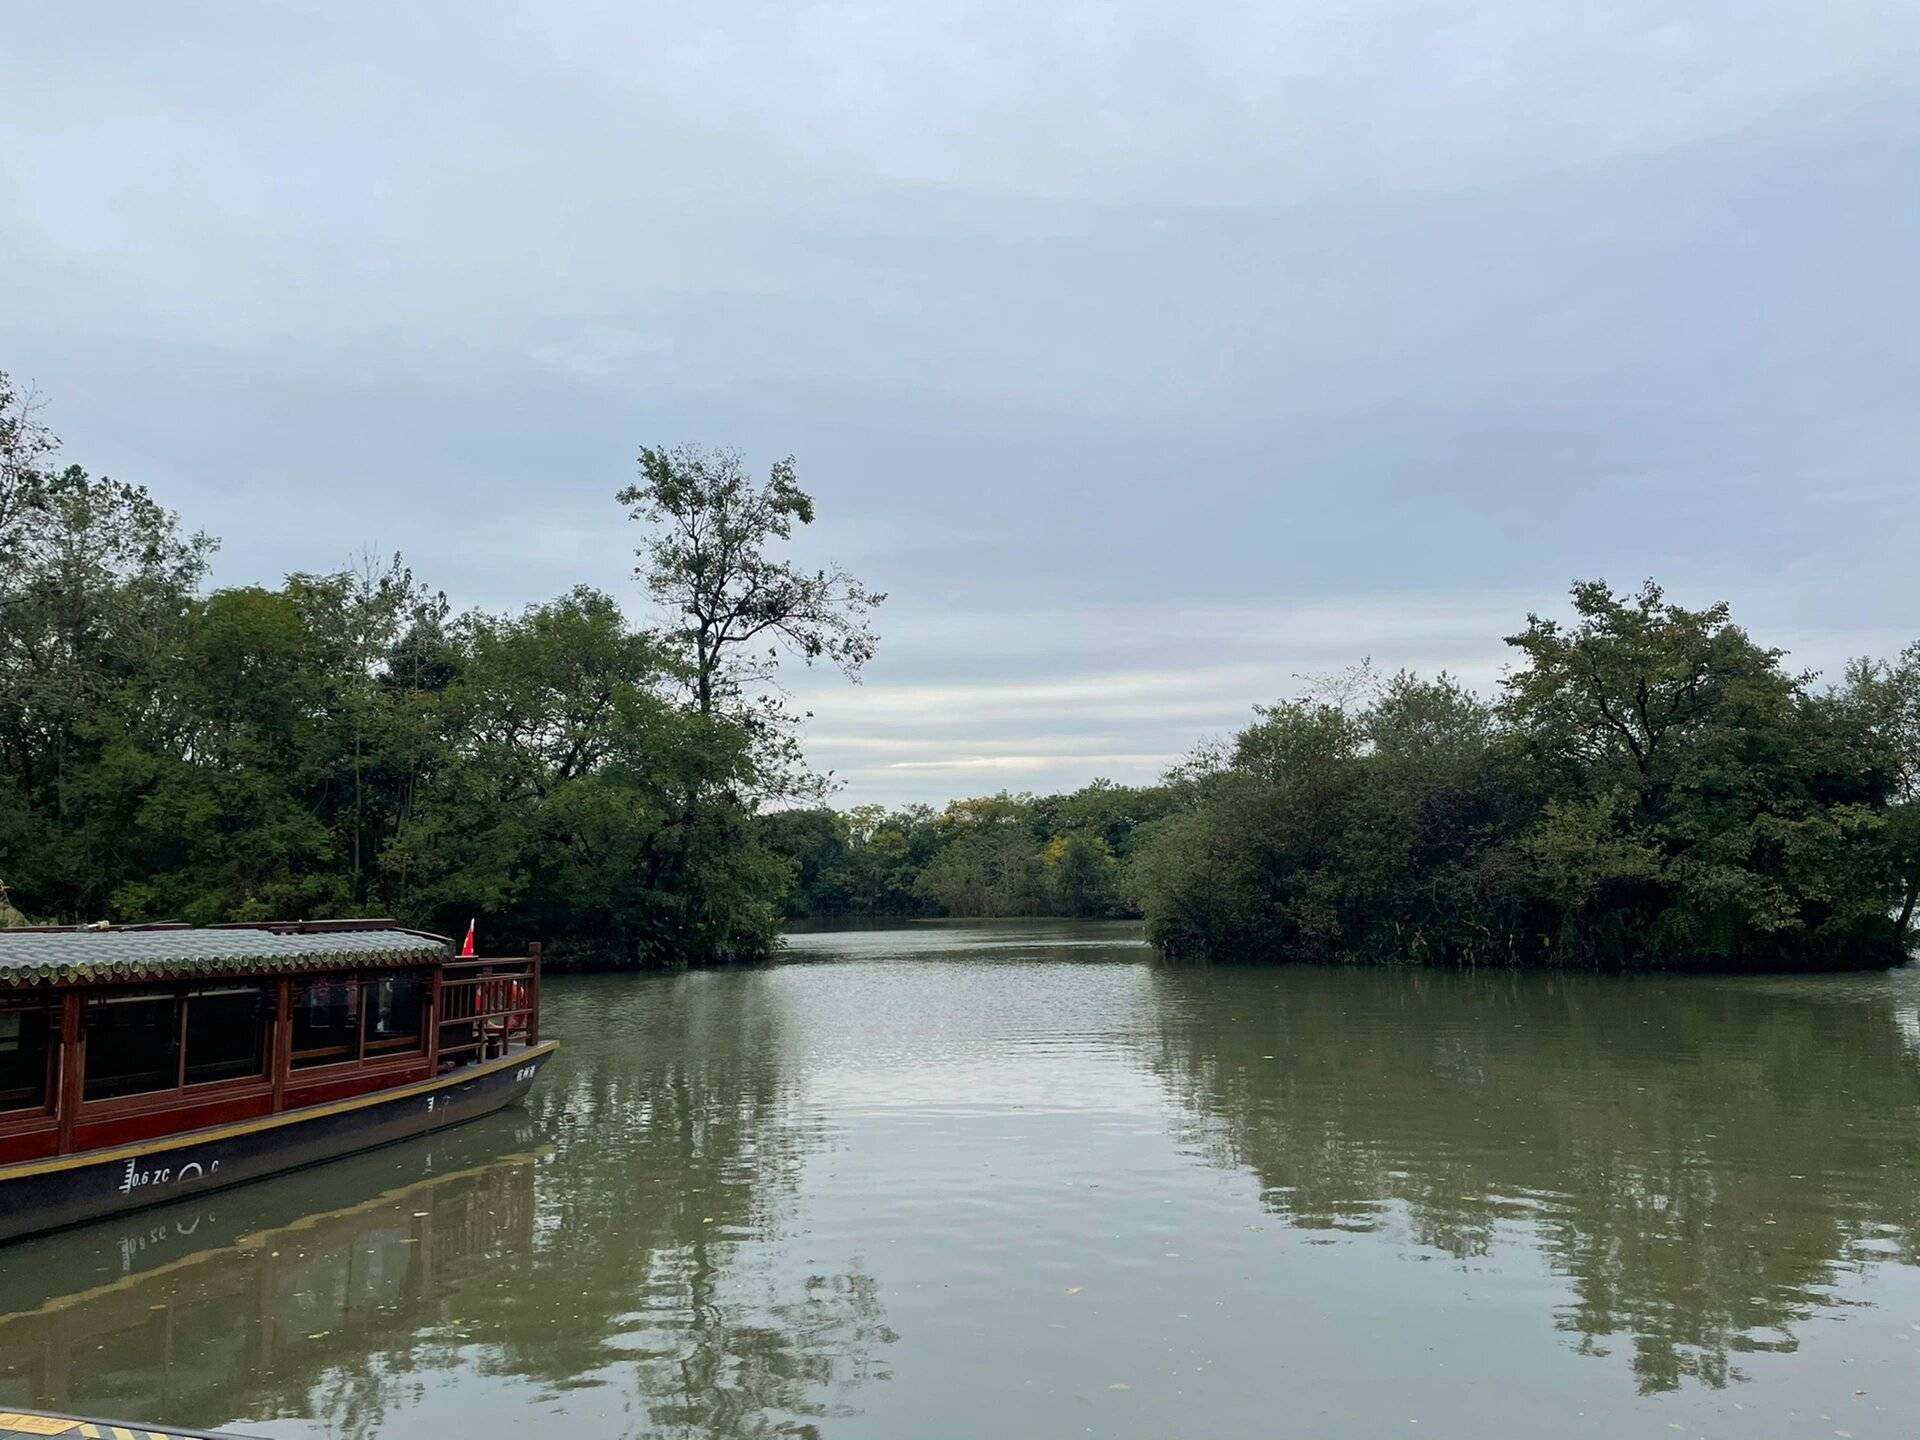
(77, 957)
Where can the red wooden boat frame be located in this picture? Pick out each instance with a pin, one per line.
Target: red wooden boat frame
(475, 1048)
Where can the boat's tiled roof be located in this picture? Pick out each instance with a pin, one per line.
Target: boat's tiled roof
(71, 957)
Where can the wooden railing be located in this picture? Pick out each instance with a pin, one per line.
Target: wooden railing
(487, 1007)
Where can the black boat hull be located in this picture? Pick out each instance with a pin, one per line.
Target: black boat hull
(50, 1194)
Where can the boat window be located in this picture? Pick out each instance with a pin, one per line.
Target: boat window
(226, 1033)
(24, 1034)
(326, 1020)
(395, 1006)
(133, 1045)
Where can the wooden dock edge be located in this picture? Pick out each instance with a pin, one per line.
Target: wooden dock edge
(40, 1422)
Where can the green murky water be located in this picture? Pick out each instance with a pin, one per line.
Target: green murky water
(1022, 1180)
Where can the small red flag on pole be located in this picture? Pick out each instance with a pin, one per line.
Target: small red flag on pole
(466, 949)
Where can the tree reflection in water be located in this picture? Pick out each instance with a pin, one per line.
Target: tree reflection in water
(1706, 1164)
(606, 1253)
(1703, 1160)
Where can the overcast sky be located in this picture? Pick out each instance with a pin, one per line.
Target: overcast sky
(1150, 356)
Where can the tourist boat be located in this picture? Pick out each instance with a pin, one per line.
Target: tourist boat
(144, 1064)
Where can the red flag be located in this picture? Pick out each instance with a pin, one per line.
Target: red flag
(467, 949)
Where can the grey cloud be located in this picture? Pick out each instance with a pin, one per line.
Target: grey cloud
(1202, 345)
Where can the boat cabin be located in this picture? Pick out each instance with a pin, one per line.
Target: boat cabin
(115, 1039)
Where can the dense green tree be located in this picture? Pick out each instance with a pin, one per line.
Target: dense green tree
(214, 803)
(96, 591)
(1699, 802)
(345, 744)
(887, 850)
(1117, 814)
(1880, 707)
(1653, 788)
(1268, 873)
(1082, 876)
(577, 799)
(814, 843)
(990, 867)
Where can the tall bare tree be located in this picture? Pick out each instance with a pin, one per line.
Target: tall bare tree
(26, 449)
(737, 607)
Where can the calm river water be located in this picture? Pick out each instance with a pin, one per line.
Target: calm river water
(1024, 1180)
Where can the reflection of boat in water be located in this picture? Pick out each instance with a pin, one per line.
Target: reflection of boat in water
(142, 1065)
(270, 1310)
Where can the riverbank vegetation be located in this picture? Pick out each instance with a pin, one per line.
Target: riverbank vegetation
(346, 743)
(1650, 788)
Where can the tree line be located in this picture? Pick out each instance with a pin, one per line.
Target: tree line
(347, 743)
(1649, 788)
(997, 855)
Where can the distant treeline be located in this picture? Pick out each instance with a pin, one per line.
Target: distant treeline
(1000, 855)
(1650, 788)
(345, 744)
